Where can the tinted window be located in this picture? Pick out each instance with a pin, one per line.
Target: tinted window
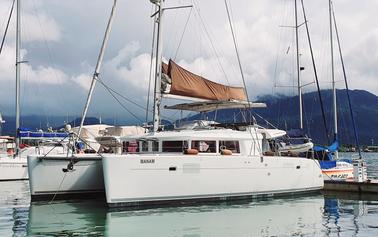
(229, 145)
(174, 146)
(131, 146)
(204, 146)
(144, 145)
(155, 146)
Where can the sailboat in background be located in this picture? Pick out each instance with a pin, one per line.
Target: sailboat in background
(333, 167)
(297, 140)
(13, 166)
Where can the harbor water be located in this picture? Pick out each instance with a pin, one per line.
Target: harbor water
(319, 214)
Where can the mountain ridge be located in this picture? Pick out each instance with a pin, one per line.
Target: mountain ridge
(282, 111)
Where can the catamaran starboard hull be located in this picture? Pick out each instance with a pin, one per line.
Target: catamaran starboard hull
(137, 180)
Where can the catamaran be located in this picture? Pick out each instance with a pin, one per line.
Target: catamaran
(198, 162)
(209, 161)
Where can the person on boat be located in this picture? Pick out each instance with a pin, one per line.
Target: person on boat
(79, 147)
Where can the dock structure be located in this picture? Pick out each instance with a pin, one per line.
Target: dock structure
(369, 186)
(360, 183)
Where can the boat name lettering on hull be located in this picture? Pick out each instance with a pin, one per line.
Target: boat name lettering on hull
(147, 161)
(339, 176)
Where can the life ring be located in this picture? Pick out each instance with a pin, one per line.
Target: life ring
(226, 152)
(191, 151)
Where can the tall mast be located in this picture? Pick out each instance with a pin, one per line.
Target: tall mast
(98, 66)
(158, 70)
(18, 64)
(333, 75)
(298, 68)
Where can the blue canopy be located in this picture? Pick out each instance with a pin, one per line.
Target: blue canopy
(331, 148)
(325, 152)
(39, 134)
(24, 129)
(327, 164)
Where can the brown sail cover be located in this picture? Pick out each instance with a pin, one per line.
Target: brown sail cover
(185, 83)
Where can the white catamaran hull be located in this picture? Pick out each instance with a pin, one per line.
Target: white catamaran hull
(139, 179)
(13, 169)
(47, 177)
(16, 168)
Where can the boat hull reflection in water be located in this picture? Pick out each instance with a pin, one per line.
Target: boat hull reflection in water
(66, 219)
(300, 216)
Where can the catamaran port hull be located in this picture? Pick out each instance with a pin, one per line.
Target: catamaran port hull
(134, 180)
(51, 177)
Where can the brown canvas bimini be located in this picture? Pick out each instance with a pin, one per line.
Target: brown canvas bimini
(184, 83)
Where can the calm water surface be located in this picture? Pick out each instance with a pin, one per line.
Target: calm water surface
(312, 215)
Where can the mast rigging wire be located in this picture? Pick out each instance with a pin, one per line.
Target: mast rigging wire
(7, 26)
(196, 8)
(236, 49)
(242, 75)
(315, 73)
(111, 90)
(115, 97)
(182, 35)
(346, 85)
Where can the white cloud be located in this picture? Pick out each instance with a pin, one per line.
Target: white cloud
(36, 26)
(41, 74)
(74, 38)
(45, 75)
(40, 28)
(130, 68)
(83, 80)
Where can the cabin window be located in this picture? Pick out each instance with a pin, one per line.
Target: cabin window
(155, 146)
(174, 146)
(131, 146)
(144, 146)
(205, 146)
(229, 145)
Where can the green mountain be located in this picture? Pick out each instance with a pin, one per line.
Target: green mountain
(283, 113)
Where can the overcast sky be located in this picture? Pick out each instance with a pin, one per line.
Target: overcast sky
(61, 41)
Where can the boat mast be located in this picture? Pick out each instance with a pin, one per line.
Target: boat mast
(98, 66)
(347, 87)
(18, 64)
(298, 68)
(333, 75)
(158, 65)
